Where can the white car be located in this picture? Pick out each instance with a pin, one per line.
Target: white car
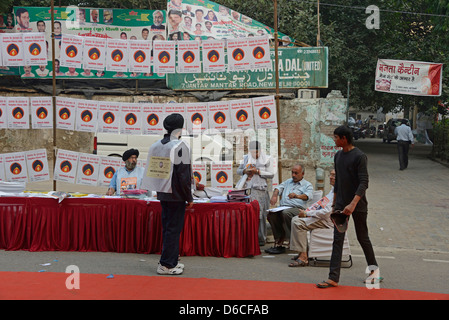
(204, 147)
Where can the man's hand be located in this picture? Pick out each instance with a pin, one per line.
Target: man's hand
(189, 205)
(302, 213)
(110, 192)
(273, 200)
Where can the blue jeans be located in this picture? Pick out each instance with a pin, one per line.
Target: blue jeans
(172, 225)
(361, 230)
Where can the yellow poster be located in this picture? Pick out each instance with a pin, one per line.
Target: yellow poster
(159, 168)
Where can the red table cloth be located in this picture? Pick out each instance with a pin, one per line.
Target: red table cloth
(125, 225)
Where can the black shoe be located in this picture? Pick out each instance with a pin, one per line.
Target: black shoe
(275, 250)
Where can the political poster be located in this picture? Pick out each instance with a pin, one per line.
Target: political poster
(265, 116)
(65, 113)
(94, 54)
(241, 114)
(98, 23)
(108, 166)
(65, 166)
(2, 168)
(12, 49)
(409, 77)
(131, 118)
(173, 107)
(260, 53)
(196, 117)
(88, 169)
(153, 118)
(15, 167)
(222, 175)
(189, 60)
(41, 109)
(140, 56)
(18, 109)
(37, 164)
(219, 115)
(117, 56)
(3, 113)
(86, 115)
(213, 56)
(164, 60)
(239, 55)
(34, 49)
(109, 116)
(71, 54)
(199, 171)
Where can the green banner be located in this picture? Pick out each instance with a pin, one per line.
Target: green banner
(298, 68)
(105, 23)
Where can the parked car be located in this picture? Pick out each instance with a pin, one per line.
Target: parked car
(388, 134)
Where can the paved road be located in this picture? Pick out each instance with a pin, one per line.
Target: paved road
(408, 221)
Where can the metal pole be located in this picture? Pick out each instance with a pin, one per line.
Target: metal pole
(276, 67)
(54, 86)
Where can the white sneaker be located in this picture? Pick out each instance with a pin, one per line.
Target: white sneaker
(180, 265)
(172, 271)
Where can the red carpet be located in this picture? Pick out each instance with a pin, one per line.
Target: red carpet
(51, 286)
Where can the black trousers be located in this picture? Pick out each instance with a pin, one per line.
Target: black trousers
(403, 147)
(361, 230)
(172, 224)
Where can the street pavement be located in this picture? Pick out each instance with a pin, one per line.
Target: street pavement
(408, 223)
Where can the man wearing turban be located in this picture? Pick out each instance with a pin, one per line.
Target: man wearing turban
(169, 173)
(128, 177)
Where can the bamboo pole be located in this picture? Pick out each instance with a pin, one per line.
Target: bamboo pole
(276, 67)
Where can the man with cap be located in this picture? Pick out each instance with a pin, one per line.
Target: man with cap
(169, 173)
(129, 177)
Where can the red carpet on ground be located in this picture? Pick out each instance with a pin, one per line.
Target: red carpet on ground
(52, 286)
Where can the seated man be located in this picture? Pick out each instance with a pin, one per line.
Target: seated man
(294, 194)
(316, 216)
(129, 177)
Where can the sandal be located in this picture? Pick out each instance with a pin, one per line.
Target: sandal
(298, 263)
(373, 280)
(296, 257)
(327, 284)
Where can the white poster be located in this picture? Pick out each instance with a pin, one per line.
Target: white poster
(180, 108)
(241, 114)
(140, 56)
(15, 167)
(65, 113)
(265, 112)
(221, 175)
(213, 56)
(86, 115)
(239, 55)
(164, 56)
(199, 171)
(189, 60)
(260, 53)
(41, 109)
(66, 166)
(108, 116)
(219, 115)
(71, 51)
(3, 113)
(94, 53)
(12, 49)
(196, 117)
(88, 168)
(117, 55)
(35, 49)
(131, 118)
(108, 166)
(153, 118)
(18, 109)
(37, 164)
(2, 168)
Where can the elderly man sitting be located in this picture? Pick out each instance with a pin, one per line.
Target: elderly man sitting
(316, 216)
(294, 194)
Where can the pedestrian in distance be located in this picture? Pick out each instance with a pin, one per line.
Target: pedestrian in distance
(405, 138)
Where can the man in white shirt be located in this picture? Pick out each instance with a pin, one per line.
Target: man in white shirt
(315, 217)
(405, 138)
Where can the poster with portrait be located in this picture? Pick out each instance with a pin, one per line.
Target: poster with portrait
(131, 118)
(265, 116)
(109, 117)
(221, 175)
(98, 23)
(196, 117)
(3, 113)
(37, 164)
(18, 109)
(34, 49)
(65, 113)
(65, 166)
(88, 169)
(219, 115)
(153, 118)
(140, 56)
(86, 115)
(189, 60)
(108, 166)
(41, 109)
(71, 54)
(213, 56)
(199, 171)
(15, 167)
(241, 114)
(164, 56)
(12, 49)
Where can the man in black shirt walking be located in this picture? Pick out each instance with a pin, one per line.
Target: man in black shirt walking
(351, 182)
